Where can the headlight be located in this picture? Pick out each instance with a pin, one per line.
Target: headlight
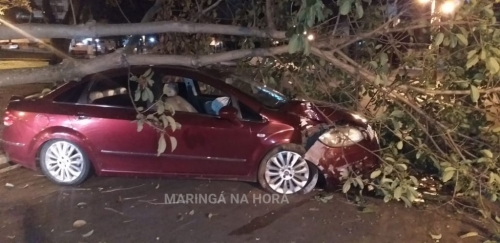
(341, 136)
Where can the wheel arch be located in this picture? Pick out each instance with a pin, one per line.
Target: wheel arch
(62, 133)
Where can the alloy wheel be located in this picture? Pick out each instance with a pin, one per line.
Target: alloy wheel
(287, 172)
(64, 161)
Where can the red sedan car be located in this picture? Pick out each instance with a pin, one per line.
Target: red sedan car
(232, 128)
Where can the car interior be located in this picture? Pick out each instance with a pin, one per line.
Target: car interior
(184, 94)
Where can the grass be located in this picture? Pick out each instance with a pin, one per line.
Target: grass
(22, 64)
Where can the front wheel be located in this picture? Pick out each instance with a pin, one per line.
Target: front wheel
(64, 163)
(284, 170)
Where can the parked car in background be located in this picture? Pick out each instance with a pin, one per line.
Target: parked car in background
(9, 46)
(232, 128)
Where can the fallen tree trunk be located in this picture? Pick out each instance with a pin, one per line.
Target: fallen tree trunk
(39, 31)
(73, 70)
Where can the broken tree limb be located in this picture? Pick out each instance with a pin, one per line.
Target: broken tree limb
(71, 70)
(39, 31)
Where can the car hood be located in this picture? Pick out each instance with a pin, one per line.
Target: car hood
(323, 114)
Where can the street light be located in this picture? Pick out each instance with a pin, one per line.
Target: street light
(448, 7)
(310, 37)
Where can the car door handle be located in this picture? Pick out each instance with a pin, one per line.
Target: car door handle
(81, 116)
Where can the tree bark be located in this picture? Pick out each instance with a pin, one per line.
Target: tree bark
(71, 70)
(100, 30)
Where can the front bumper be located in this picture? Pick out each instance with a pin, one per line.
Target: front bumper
(361, 158)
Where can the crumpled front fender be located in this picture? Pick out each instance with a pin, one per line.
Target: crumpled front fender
(361, 158)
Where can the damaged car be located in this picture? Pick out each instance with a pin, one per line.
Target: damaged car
(232, 129)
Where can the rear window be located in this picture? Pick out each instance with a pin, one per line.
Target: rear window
(72, 95)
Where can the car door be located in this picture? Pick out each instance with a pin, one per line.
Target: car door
(104, 116)
(210, 146)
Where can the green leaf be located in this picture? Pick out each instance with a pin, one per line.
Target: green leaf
(402, 167)
(137, 95)
(462, 40)
(160, 108)
(172, 123)
(151, 96)
(487, 153)
(447, 175)
(397, 192)
(147, 73)
(474, 93)
(307, 48)
(471, 53)
(374, 64)
(359, 9)
(493, 64)
(345, 8)
(397, 113)
(400, 145)
(145, 95)
(346, 187)
(378, 80)
(495, 50)
(140, 125)
(439, 39)
(414, 180)
(293, 45)
(173, 143)
(360, 182)
(383, 58)
(470, 234)
(375, 174)
(164, 120)
(162, 144)
(472, 61)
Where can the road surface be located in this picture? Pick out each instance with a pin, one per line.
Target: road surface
(121, 210)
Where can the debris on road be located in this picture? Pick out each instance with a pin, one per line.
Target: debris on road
(79, 223)
(88, 234)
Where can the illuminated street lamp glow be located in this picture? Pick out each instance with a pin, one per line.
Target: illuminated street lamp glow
(424, 1)
(310, 37)
(448, 7)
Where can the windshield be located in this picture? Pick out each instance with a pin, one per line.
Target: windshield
(265, 95)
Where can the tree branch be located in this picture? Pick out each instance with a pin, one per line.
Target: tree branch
(70, 70)
(100, 30)
(132, 41)
(270, 14)
(205, 11)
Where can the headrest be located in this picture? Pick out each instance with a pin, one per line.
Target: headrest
(170, 89)
(121, 90)
(109, 92)
(95, 95)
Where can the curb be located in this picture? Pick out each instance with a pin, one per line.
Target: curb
(4, 166)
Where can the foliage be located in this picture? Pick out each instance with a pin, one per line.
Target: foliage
(161, 119)
(428, 86)
(8, 4)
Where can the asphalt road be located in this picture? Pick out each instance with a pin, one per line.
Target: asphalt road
(34, 210)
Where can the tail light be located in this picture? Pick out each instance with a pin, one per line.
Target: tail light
(8, 119)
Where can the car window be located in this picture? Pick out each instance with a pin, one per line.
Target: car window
(113, 91)
(206, 89)
(183, 95)
(73, 94)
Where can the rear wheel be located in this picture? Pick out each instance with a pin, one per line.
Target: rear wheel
(285, 171)
(64, 162)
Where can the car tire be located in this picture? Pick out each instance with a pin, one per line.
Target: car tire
(64, 162)
(285, 171)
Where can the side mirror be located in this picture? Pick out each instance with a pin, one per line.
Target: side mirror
(230, 113)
